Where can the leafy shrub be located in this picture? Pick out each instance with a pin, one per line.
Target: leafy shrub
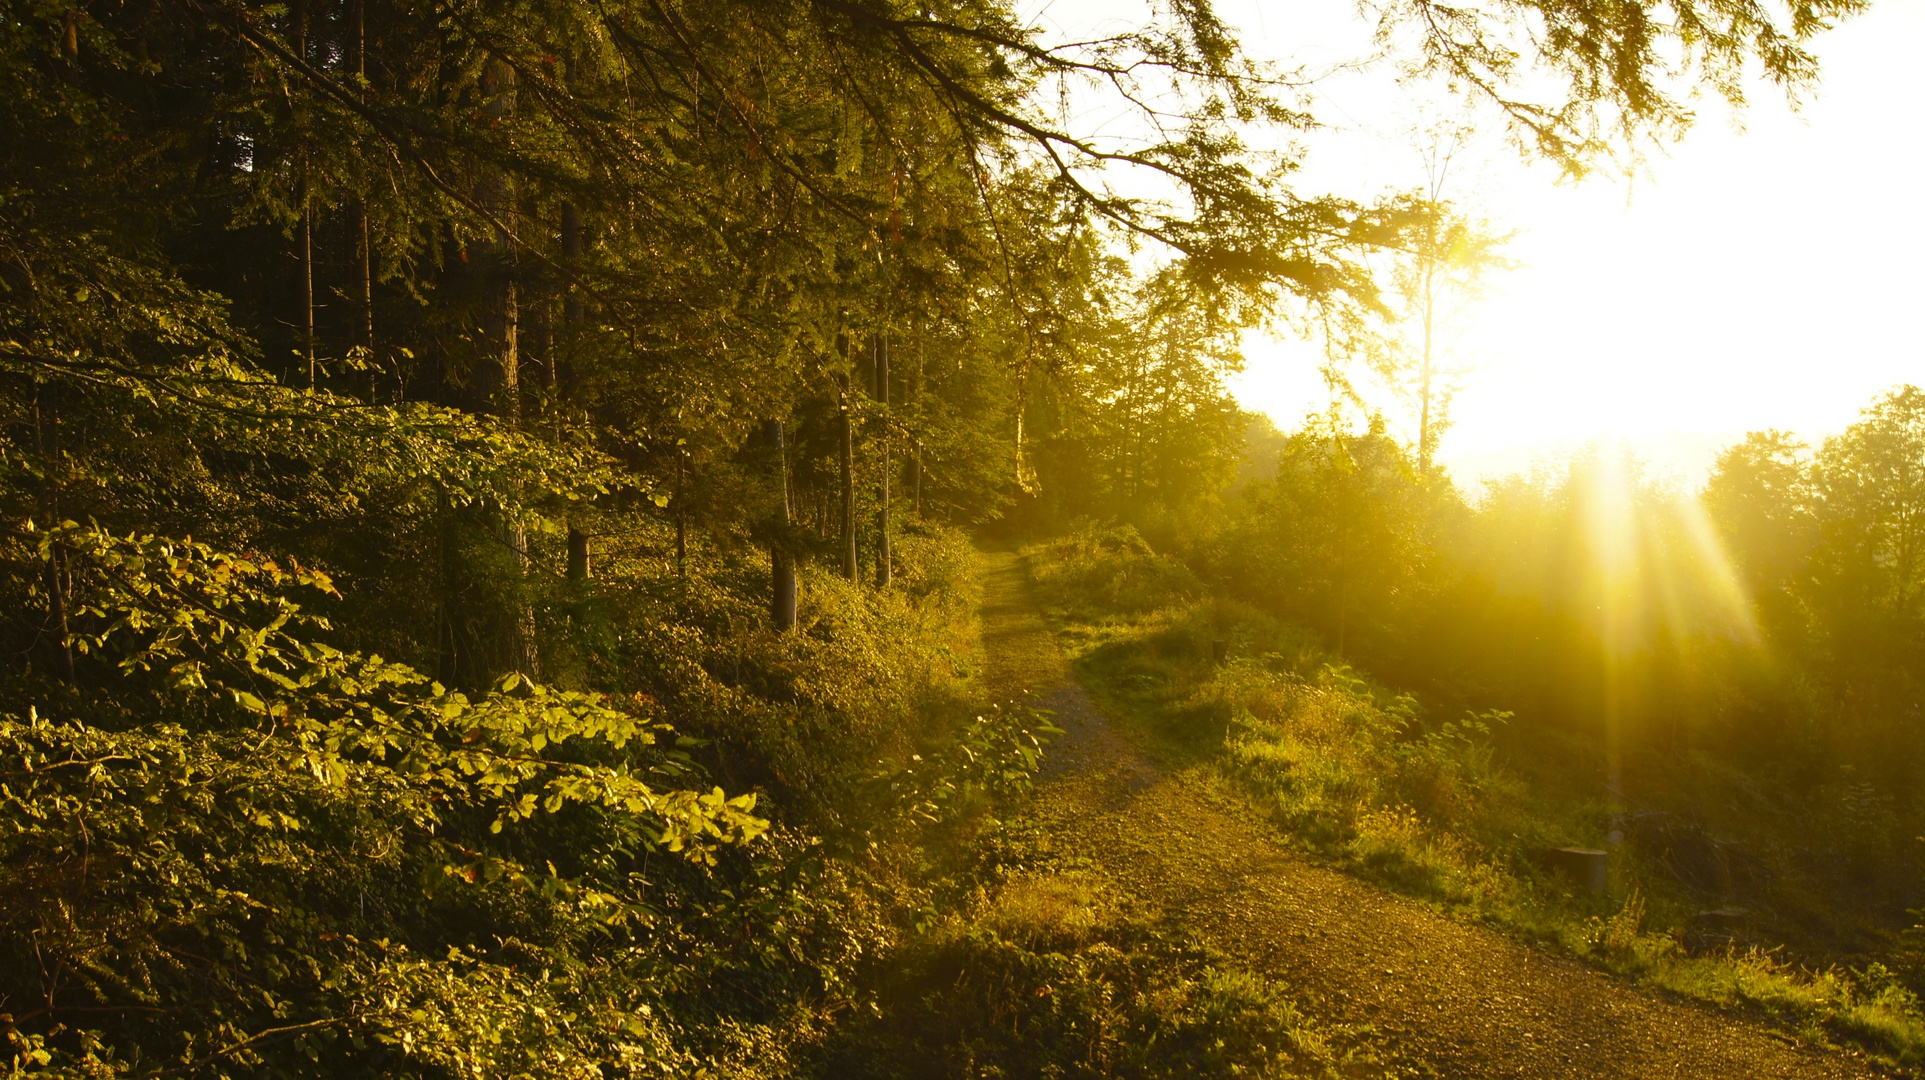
(939, 563)
(1112, 569)
(1118, 1001)
(295, 858)
(994, 755)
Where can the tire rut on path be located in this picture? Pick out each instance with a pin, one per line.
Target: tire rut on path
(1462, 999)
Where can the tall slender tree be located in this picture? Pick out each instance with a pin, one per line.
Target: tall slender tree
(884, 568)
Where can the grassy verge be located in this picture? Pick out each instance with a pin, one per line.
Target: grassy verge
(1361, 776)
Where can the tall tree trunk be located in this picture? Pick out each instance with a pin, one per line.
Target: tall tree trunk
(915, 482)
(364, 271)
(846, 430)
(363, 240)
(1025, 473)
(883, 567)
(521, 643)
(580, 564)
(681, 516)
(503, 329)
(307, 217)
(579, 569)
(63, 649)
(307, 279)
(504, 339)
(781, 560)
(572, 318)
(1426, 440)
(915, 463)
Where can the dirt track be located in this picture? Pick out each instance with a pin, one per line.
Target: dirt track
(1454, 999)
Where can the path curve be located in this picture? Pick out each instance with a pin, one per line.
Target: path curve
(1462, 999)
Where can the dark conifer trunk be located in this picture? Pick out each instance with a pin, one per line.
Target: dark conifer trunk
(915, 462)
(579, 569)
(503, 336)
(306, 241)
(883, 561)
(781, 560)
(63, 649)
(846, 430)
(521, 634)
(363, 240)
(504, 342)
(573, 316)
(681, 515)
(307, 281)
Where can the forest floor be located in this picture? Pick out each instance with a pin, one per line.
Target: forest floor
(1452, 999)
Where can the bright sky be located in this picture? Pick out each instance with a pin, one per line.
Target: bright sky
(1765, 278)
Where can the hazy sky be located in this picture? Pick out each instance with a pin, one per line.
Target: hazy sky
(1766, 278)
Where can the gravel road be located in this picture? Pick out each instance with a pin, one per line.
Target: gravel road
(1456, 999)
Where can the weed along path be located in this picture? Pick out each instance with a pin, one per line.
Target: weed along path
(1452, 999)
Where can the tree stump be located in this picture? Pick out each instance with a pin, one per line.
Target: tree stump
(1588, 868)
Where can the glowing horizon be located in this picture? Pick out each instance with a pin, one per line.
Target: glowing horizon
(1747, 280)
(1720, 295)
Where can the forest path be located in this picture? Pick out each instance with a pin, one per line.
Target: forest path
(1462, 1000)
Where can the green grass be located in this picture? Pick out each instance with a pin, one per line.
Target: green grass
(1360, 776)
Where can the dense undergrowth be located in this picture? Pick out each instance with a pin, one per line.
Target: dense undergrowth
(1023, 966)
(254, 852)
(1458, 811)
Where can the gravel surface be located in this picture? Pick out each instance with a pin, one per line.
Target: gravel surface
(1457, 999)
